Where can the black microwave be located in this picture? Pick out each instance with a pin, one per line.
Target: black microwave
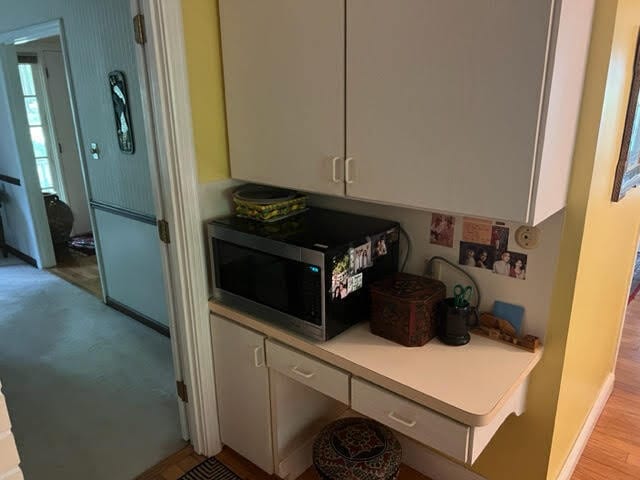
(309, 273)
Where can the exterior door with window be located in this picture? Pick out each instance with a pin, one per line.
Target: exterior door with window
(40, 128)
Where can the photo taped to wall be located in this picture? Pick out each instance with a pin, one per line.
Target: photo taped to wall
(442, 229)
(476, 255)
(500, 239)
(511, 264)
(518, 266)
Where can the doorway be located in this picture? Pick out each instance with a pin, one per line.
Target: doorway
(45, 92)
(70, 341)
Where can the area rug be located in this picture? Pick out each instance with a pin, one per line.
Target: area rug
(210, 469)
(83, 243)
(90, 392)
(635, 282)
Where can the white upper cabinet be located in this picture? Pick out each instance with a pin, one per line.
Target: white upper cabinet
(445, 100)
(284, 85)
(462, 106)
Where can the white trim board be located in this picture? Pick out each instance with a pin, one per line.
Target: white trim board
(588, 426)
(177, 171)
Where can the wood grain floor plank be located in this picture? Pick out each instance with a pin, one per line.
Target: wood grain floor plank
(184, 460)
(80, 270)
(613, 450)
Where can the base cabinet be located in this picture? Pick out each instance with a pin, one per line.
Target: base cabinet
(275, 396)
(242, 387)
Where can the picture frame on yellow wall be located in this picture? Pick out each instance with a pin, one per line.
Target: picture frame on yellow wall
(628, 168)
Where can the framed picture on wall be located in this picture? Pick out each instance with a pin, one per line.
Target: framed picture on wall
(628, 169)
(120, 99)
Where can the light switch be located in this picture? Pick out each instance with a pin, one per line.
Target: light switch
(95, 151)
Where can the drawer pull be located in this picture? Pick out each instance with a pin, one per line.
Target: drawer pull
(406, 423)
(302, 373)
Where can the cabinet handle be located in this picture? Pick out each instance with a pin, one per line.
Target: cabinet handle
(334, 171)
(302, 373)
(258, 357)
(402, 421)
(347, 169)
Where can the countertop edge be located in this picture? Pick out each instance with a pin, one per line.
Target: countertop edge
(421, 398)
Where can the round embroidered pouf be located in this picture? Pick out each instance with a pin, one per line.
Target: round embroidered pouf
(357, 449)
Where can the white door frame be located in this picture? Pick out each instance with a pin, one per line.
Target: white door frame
(166, 90)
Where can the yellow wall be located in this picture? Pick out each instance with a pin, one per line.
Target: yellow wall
(202, 43)
(610, 235)
(597, 254)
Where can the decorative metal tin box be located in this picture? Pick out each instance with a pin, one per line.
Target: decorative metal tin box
(404, 308)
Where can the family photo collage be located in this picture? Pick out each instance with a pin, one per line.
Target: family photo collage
(484, 244)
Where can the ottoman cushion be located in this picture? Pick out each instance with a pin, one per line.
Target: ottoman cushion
(357, 449)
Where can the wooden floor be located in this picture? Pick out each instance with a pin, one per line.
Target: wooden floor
(181, 462)
(613, 451)
(80, 270)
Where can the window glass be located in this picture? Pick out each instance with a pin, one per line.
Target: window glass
(38, 141)
(30, 81)
(26, 79)
(44, 174)
(33, 111)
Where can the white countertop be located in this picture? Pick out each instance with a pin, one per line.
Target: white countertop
(469, 383)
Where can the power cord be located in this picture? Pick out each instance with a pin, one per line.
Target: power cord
(408, 251)
(428, 272)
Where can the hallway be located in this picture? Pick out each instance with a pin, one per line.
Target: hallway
(613, 451)
(90, 392)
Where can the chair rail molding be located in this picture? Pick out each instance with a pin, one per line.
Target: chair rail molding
(168, 95)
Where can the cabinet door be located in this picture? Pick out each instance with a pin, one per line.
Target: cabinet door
(242, 385)
(443, 99)
(284, 87)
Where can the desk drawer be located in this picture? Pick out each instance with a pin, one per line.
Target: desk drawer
(420, 423)
(309, 371)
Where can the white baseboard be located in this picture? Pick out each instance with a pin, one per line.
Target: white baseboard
(589, 424)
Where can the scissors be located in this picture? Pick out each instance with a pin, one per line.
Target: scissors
(461, 295)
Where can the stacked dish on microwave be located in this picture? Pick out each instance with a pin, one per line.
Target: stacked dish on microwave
(268, 204)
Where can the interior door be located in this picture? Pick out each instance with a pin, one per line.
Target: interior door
(442, 102)
(25, 218)
(284, 84)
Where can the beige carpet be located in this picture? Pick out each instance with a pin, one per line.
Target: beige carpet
(90, 392)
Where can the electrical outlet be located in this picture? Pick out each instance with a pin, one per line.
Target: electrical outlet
(527, 237)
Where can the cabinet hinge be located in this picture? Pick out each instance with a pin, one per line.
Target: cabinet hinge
(163, 231)
(181, 387)
(138, 28)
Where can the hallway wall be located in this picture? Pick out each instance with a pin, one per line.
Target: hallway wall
(98, 39)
